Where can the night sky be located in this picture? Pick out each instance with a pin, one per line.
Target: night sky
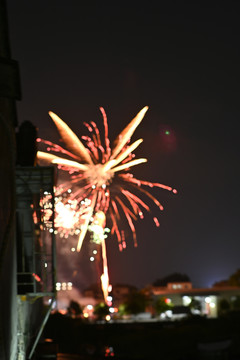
(182, 60)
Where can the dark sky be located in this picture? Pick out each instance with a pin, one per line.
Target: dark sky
(180, 58)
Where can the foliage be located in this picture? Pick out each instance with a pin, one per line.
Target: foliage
(175, 277)
(236, 303)
(221, 283)
(195, 304)
(101, 310)
(161, 305)
(122, 310)
(74, 309)
(135, 303)
(224, 305)
(233, 280)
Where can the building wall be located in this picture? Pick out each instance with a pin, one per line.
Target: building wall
(8, 298)
(209, 298)
(8, 291)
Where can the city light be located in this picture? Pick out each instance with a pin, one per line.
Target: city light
(108, 317)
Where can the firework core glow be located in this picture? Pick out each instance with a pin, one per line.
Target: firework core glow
(100, 187)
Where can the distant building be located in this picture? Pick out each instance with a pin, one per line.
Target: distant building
(179, 285)
(203, 301)
(120, 292)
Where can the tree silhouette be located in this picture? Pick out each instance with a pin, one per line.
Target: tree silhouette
(236, 303)
(101, 310)
(233, 280)
(175, 277)
(161, 305)
(74, 309)
(224, 306)
(135, 303)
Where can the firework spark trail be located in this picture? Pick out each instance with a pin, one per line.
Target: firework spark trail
(105, 276)
(106, 138)
(133, 199)
(98, 229)
(84, 227)
(70, 139)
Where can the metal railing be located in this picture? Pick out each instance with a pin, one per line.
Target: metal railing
(36, 252)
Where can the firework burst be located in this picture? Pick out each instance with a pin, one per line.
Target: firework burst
(101, 177)
(100, 181)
